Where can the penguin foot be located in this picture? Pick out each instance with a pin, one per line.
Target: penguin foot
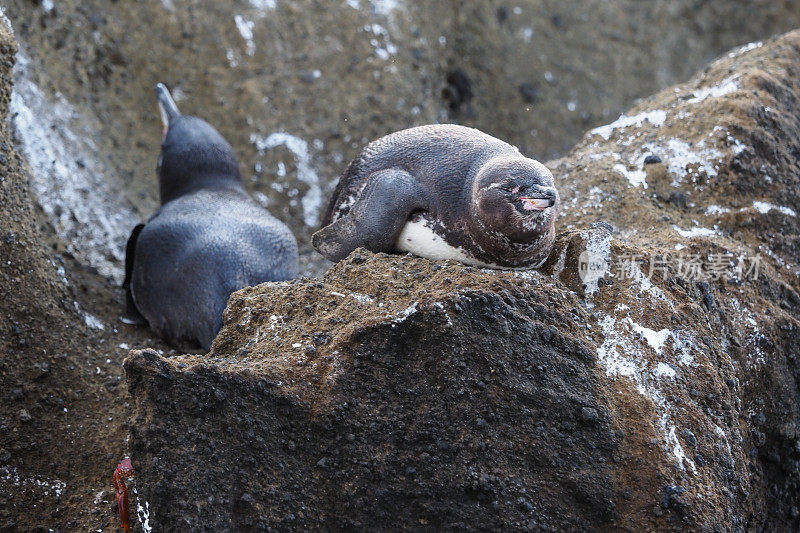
(336, 241)
(132, 316)
(133, 320)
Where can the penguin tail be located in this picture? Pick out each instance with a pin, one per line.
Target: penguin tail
(166, 106)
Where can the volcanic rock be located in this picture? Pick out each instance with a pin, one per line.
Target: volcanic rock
(646, 378)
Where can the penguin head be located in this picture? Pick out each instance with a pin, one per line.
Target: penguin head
(515, 196)
(193, 154)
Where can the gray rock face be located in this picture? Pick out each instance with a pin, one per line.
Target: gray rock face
(645, 379)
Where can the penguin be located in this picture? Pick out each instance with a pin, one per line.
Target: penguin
(443, 191)
(208, 239)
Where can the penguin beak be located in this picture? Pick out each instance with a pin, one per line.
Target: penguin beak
(166, 107)
(539, 198)
(536, 204)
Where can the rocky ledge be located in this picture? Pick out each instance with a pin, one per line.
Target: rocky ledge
(646, 378)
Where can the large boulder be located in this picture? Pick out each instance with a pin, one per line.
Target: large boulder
(646, 378)
(395, 392)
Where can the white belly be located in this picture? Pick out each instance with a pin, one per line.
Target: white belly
(421, 240)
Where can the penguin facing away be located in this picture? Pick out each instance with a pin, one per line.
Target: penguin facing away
(207, 240)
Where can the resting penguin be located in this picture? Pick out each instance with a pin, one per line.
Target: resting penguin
(208, 238)
(443, 192)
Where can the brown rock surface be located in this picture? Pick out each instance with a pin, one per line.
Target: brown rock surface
(62, 406)
(398, 392)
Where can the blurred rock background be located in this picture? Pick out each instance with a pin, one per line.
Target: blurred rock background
(299, 86)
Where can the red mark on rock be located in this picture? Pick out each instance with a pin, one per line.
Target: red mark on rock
(124, 471)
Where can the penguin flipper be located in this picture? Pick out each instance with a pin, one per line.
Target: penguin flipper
(376, 218)
(132, 314)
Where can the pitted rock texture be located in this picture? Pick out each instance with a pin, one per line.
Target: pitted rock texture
(426, 396)
(659, 394)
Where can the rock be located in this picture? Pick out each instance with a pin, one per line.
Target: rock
(55, 412)
(386, 377)
(590, 249)
(42, 369)
(589, 414)
(677, 198)
(670, 495)
(381, 69)
(411, 354)
(691, 440)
